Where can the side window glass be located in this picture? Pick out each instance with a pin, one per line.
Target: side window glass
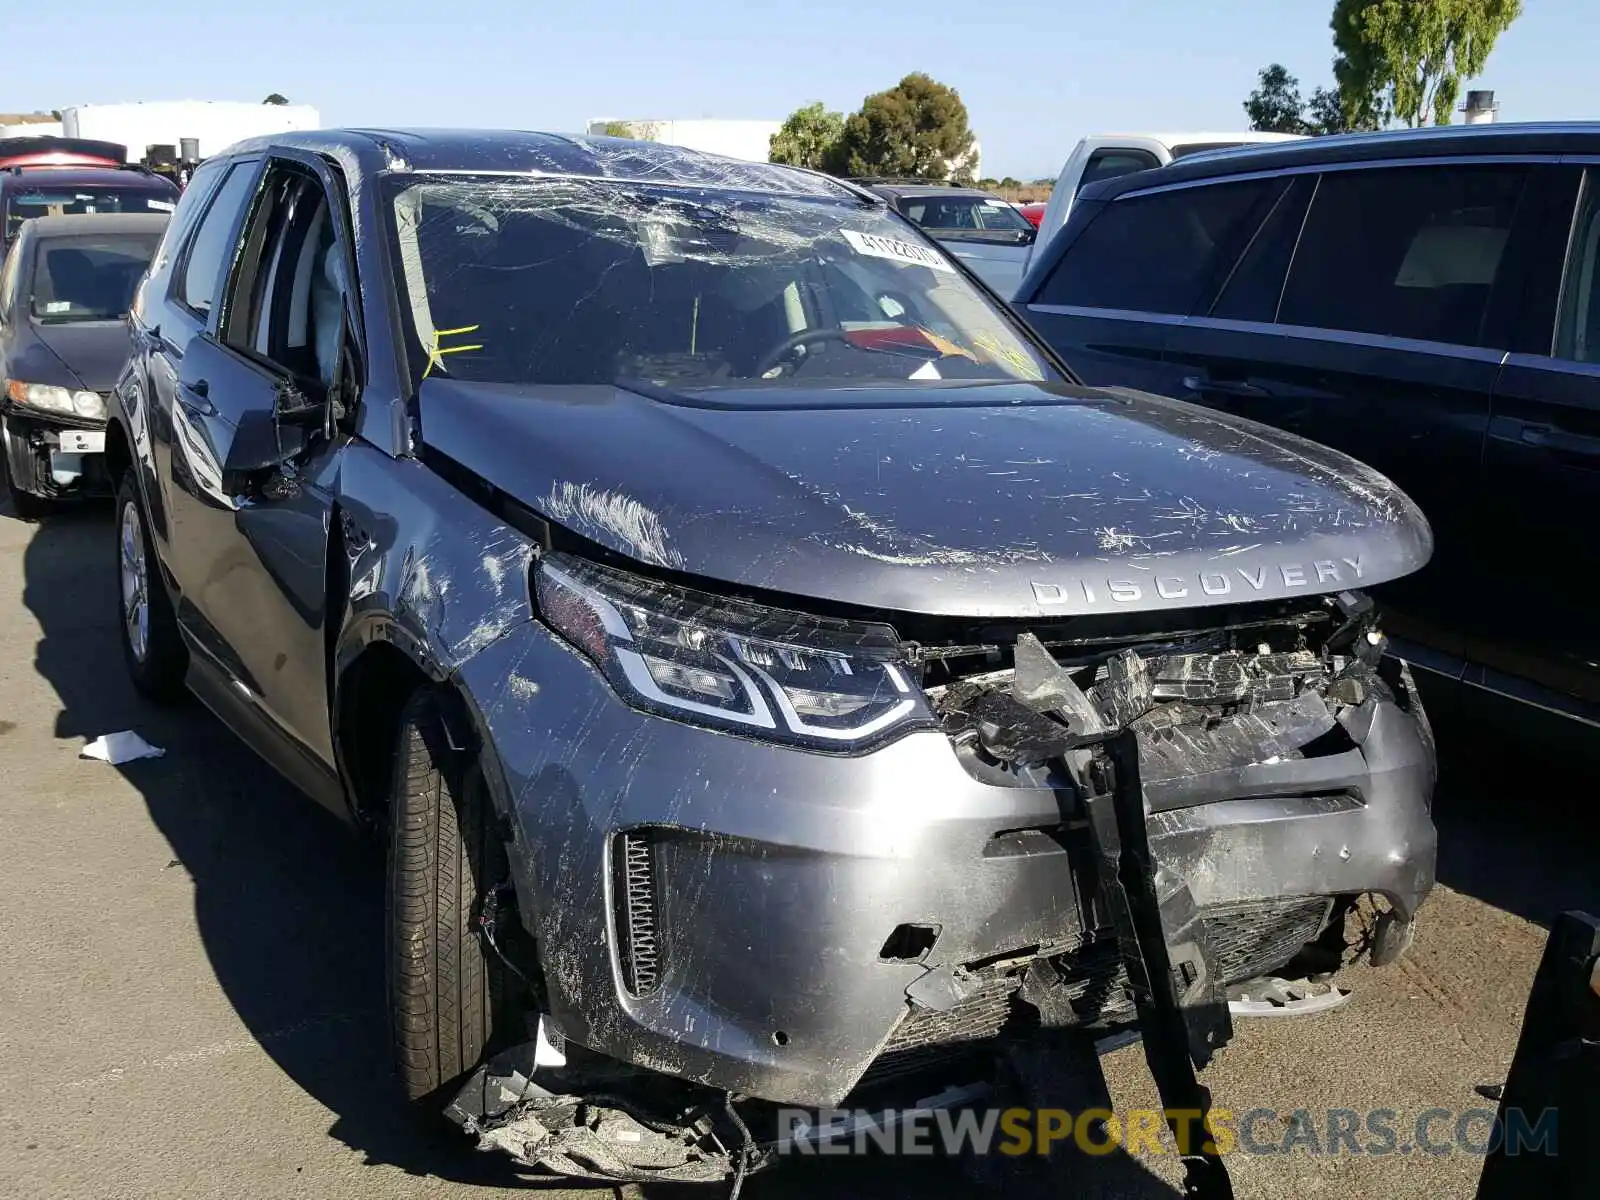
(1109, 164)
(1578, 332)
(1156, 253)
(193, 201)
(213, 241)
(1409, 252)
(1251, 293)
(288, 304)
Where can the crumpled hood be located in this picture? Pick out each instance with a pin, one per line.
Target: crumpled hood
(85, 354)
(995, 500)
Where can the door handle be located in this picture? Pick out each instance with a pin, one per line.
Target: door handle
(195, 398)
(1224, 387)
(1548, 437)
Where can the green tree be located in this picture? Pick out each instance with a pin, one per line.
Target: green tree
(1408, 57)
(917, 129)
(807, 138)
(1275, 106)
(1325, 112)
(638, 131)
(276, 98)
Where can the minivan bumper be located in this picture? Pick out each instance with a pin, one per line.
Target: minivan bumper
(725, 910)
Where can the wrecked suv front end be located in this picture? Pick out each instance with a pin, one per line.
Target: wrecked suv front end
(802, 860)
(847, 601)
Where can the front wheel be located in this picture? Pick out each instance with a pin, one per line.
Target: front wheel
(151, 644)
(446, 989)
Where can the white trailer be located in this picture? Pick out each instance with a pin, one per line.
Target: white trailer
(214, 124)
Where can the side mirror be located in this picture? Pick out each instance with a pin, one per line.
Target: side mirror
(261, 442)
(292, 406)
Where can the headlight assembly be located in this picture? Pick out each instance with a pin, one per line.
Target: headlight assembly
(730, 664)
(49, 398)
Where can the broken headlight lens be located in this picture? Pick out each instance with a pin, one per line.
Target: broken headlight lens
(730, 664)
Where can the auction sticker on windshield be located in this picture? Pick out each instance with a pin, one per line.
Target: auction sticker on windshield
(877, 246)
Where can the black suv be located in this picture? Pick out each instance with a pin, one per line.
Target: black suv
(1428, 302)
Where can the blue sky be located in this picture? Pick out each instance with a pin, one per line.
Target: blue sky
(1035, 75)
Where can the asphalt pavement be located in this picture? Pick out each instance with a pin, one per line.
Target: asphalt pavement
(191, 978)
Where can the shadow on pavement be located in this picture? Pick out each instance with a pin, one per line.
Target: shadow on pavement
(288, 901)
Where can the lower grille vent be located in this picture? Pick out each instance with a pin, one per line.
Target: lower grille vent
(637, 929)
(1254, 938)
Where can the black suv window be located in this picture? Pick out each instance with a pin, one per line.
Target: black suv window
(1156, 253)
(1578, 335)
(1252, 291)
(1405, 251)
(202, 267)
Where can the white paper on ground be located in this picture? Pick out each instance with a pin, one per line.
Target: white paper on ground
(118, 748)
(545, 1051)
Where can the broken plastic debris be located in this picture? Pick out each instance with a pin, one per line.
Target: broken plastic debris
(548, 1051)
(119, 748)
(1274, 997)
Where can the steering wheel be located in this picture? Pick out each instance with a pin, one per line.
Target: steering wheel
(790, 344)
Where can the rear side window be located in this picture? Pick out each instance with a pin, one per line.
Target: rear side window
(1189, 148)
(1252, 291)
(1409, 252)
(213, 241)
(1109, 164)
(1157, 253)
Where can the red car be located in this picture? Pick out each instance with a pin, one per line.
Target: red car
(1033, 211)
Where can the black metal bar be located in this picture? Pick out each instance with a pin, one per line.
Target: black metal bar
(1128, 873)
(1555, 1074)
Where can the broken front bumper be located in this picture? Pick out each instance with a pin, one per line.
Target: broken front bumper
(753, 917)
(39, 461)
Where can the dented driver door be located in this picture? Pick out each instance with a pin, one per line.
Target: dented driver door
(256, 519)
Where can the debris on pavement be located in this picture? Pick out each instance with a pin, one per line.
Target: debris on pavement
(1275, 997)
(119, 748)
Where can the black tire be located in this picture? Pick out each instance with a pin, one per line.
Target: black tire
(159, 668)
(447, 989)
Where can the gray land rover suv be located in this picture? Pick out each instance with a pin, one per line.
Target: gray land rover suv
(715, 599)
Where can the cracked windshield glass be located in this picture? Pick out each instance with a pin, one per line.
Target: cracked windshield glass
(595, 282)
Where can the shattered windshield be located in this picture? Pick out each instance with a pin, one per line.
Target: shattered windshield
(583, 281)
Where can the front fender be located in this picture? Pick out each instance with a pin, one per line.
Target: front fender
(429, 569)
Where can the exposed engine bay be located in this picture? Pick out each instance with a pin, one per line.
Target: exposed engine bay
(1206, 704)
